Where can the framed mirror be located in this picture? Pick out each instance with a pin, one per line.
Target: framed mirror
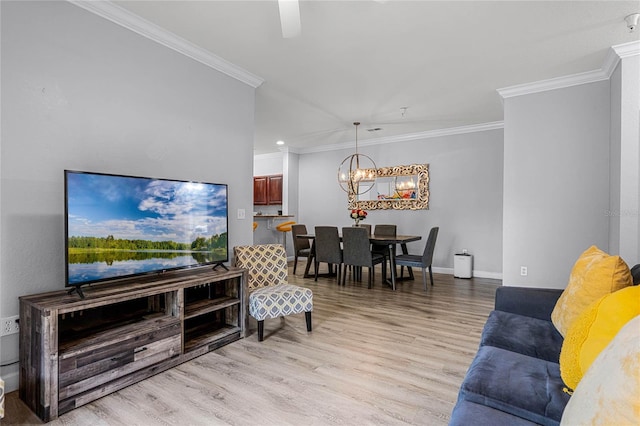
(397, 188)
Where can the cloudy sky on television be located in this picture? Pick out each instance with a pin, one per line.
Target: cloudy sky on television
(145, 209)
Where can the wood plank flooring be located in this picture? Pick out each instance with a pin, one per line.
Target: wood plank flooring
(375, 357)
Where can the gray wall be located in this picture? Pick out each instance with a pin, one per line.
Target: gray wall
(624, 210)
(556, 181)
(465, 202)
(79, 92)
(615, 149)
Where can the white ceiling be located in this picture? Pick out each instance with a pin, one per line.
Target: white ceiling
(366, 60)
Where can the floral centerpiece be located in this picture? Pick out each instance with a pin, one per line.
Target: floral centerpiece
(358, 215)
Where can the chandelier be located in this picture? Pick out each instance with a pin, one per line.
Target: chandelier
(357, 173)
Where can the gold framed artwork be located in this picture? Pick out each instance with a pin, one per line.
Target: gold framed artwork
(397, 188)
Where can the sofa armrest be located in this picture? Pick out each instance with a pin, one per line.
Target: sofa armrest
(531, 302)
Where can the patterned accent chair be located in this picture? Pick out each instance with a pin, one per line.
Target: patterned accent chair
(270, 296)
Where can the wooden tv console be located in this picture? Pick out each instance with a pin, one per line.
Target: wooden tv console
(73, 351)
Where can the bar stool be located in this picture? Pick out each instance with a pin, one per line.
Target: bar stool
(255, 225)
(285, 227)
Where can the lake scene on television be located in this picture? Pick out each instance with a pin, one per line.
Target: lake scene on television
(121, 226)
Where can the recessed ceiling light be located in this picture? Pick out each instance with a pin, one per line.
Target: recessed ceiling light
(280, 143)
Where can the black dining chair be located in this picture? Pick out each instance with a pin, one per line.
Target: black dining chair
(301, 246)
(357, 253)
(421, 261)
(327, 249)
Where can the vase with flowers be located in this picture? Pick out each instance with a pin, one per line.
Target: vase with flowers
(357, 215)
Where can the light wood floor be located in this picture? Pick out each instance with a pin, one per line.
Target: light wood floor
(375, 357)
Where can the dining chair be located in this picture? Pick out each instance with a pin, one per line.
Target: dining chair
(357, 253)
(301, 246)
(384, 230)
(365, 226)
(270, 295)
(327, 249)
(421, 261)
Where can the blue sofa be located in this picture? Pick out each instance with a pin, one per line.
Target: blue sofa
(514, 378)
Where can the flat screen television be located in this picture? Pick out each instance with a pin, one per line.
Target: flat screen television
(121, 226)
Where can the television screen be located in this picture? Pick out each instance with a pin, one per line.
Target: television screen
(118, 226)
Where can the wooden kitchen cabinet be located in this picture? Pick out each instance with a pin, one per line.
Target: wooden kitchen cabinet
(267, 190)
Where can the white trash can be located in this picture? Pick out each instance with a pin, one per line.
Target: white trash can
(462, 265)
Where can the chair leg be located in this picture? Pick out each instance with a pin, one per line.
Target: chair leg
(260, 331)
(295, 263)
(370, 277)
(424, 278)
(431, 274)
(315, 267)
(307, 316)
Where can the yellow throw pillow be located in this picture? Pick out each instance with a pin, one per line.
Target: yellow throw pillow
(609, 393)
(594, 275)
(592, 331)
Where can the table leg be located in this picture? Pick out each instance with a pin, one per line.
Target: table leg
(310, 259)
(392, 266)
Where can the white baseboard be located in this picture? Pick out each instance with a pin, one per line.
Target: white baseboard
(449, 271)
(476, 273)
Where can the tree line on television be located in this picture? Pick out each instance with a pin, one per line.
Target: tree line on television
(213, 243)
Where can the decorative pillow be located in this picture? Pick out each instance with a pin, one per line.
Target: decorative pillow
(592, 331)
(609, 393)
(594, 275)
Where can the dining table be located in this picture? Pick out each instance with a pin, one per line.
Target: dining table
(391, 241)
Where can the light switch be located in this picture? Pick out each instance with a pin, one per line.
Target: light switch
(241, 214)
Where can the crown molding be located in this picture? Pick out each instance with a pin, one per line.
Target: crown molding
(614, 54)
(135, 23)
(627, 49)
(553, 84)
(407, 137)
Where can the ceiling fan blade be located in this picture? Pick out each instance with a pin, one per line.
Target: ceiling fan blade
(289, 18)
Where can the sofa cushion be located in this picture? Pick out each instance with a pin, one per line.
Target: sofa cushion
(279, 301)
(594, 275)
(518, 384)
(527, 301)
(594, 329)
(525, 335)
(609, 392)
(467, 413)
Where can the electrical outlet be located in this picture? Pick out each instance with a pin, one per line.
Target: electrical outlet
(523, 271)
(10, 325)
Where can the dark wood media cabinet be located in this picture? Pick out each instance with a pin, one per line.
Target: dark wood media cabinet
(73, 351)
